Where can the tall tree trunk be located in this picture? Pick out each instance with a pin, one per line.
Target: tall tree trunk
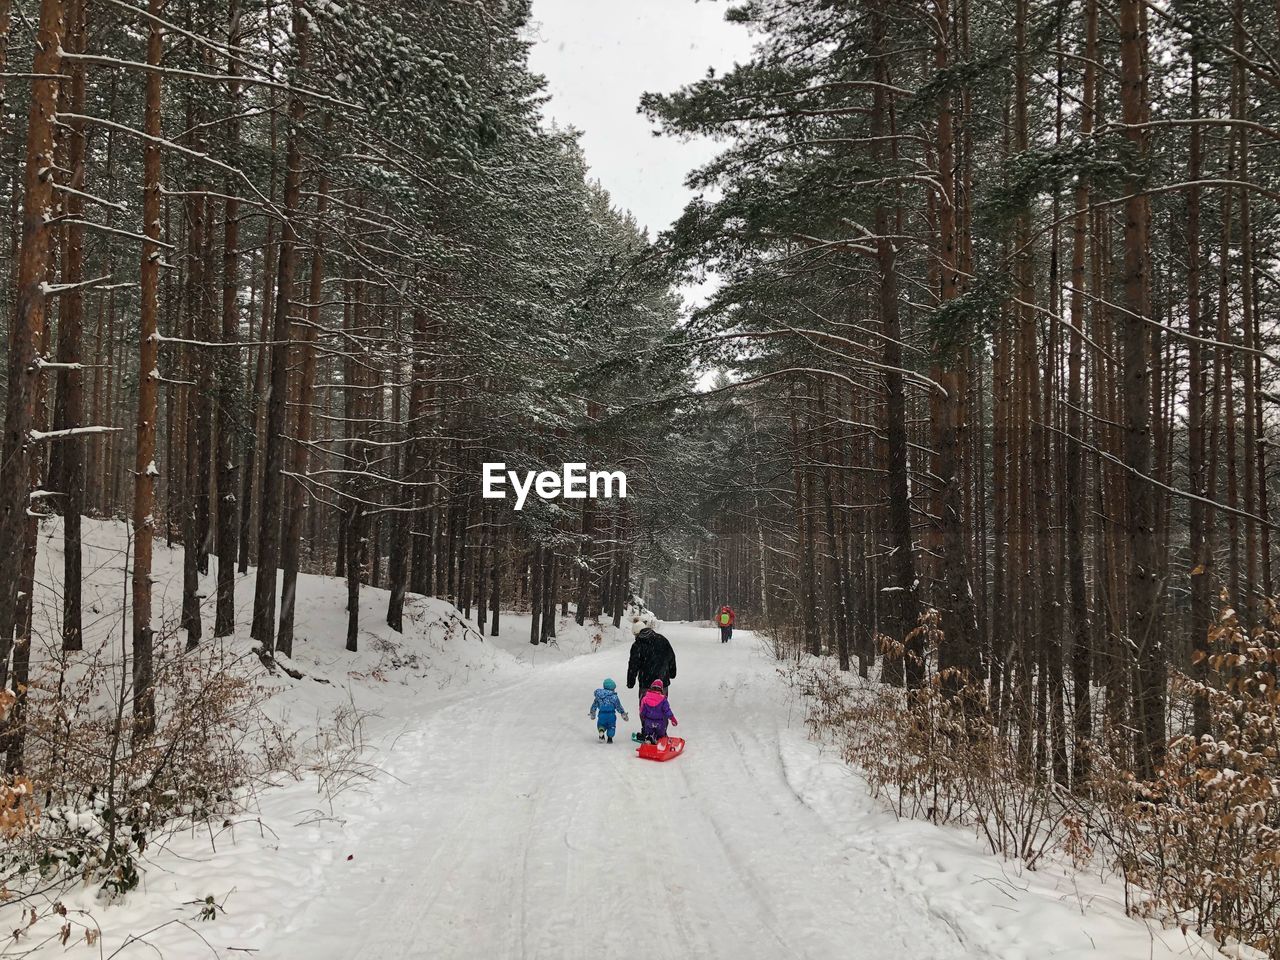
(253, 417)
(264, 597)
(483, 550)
(356, 540)
(148, 409)
(549, 591)
(1074, 486)
(38, 210)
(903, 604)
(535, 595)
(584, 563)
(67, 471)
(15, 737)
(495, 573)
(959, 652)
(227, 472)
(1144, 584)
(195, 440)
(296, 495)
(1024, 408)
(1201, 517)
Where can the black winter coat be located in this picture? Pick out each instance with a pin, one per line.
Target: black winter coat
(651, 659)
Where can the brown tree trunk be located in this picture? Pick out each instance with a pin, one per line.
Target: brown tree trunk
(229, 425)
(1144, 585)
(67, 468)
(483, 550)
(195, 445)
(495, 592)
(356, 540)
(550, 587)
(29, 317)
(535, 595)
(903, 604)
(1201, 517)
(264, 597)
(253, 418)
(959, 652)
(148, 409)
(295, 498)
(15, 735)
(1074, 485)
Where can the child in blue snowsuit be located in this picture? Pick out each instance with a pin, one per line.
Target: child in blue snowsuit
(605, 709)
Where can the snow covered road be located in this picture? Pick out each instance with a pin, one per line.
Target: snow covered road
(507, 830)
(500, 828)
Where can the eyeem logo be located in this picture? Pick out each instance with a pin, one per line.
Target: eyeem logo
(574, 482)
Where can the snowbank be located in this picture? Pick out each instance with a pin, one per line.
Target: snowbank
(342, 723)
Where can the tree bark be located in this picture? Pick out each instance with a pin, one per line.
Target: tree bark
(264, 598)
(148, 409)
(296, 494)
(1074, 482)
(29, 317)
(227, 472)
(67, 468)
(903, 603)
(1144, 584)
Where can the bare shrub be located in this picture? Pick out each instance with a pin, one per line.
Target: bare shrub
(338, 755)
(934, 756)
(109, 792)
(784, 639)
(1201, 842)
(19, 812)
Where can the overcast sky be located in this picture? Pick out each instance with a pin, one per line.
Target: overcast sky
(599, 56)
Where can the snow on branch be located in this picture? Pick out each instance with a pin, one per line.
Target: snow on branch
(92, 198)
(212, 77)
(52, 289)
(116, 230)
(266, 201)
(71, 432)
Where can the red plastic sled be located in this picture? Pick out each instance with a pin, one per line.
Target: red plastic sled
(667, 748)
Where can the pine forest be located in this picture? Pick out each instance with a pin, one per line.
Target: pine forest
(957, 382)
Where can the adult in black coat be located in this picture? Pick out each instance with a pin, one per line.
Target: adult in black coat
(651, 659)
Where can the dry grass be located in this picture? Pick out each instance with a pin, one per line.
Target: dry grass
(1198, 846)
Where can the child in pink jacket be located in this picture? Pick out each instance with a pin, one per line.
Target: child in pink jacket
(655, 711)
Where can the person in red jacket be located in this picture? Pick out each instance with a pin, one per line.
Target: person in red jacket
(724, 620)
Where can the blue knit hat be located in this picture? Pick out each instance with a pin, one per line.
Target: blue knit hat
(609, 684)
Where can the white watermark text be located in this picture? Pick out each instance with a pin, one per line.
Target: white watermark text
(574, 482)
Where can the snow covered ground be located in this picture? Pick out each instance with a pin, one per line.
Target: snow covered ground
(498, 826)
